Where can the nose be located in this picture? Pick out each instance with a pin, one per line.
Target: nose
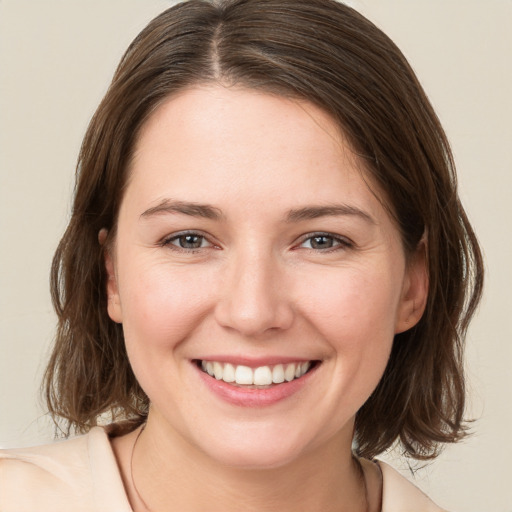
(254, 300)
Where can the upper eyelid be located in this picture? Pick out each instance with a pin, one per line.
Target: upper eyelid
(173, 236)
(335, 236)
(341, 238)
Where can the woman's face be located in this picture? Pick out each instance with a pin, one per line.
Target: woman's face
(250, 245)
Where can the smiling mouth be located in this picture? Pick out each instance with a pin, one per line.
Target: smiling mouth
(260, 377)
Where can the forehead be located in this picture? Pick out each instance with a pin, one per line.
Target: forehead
(221, 115)
(214, 143)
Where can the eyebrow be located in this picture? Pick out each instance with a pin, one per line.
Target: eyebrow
(207, 211)
(184, 207)
(314, 212)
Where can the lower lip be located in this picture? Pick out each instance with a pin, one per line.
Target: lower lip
(254, 397)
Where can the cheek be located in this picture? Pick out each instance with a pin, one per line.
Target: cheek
(352, 307)
(162, 308)
(355, 315)
(162, 305)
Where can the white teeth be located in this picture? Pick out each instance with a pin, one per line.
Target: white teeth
(305, 367)
(229, 373)
(278, 374)
(244, 375)
(217, 370)
(261, 376)
(289, 373)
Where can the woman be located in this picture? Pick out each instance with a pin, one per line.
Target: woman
(266, 279)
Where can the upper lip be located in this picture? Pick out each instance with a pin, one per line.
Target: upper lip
(254, 362)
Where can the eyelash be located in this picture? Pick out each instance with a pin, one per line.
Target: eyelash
(340, 242)
(337, 241)
(167, 242)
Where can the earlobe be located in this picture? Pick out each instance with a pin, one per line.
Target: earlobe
(414, 291)
(113, 302)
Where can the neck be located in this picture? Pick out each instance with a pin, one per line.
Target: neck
(167, 473)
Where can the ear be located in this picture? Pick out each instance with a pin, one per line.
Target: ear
(114, 303)
(414, 291)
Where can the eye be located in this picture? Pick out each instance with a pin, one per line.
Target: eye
(324, 242)
(187, 241)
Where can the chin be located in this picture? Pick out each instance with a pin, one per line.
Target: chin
(253, 457)
(256, 448)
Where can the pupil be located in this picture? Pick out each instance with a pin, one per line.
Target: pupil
(190, 241)
(321, 242)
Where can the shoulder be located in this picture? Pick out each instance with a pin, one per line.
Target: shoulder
(76, 474)
(400, 495)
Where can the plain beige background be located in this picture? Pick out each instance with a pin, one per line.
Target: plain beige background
(56, 59)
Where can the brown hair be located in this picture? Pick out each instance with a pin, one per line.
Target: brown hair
(328, 54)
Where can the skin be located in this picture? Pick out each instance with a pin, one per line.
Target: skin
(257, 287)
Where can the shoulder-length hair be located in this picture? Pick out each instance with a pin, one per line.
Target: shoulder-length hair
(326, 53)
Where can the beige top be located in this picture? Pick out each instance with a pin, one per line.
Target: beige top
(82, 475)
